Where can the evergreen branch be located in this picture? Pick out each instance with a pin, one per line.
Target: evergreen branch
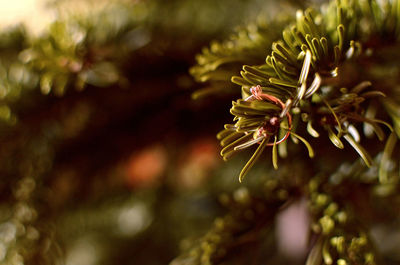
(245, 225)
(217, 63)
(308, 70)
(342, 238)
(78, 51)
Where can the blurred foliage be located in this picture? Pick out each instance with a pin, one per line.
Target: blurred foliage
(78, 105)
(105, 159)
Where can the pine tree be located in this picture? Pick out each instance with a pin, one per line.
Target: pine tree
(108, 123)
(329, 76)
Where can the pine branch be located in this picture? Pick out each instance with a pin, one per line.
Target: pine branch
(312, 80)
(217, 63)
(247, 224)
(342, 237)
(328, 76)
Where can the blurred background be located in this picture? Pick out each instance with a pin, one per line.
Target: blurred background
(105, 158)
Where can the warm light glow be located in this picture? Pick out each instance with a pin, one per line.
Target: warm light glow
(30, 12)
(145, 167)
